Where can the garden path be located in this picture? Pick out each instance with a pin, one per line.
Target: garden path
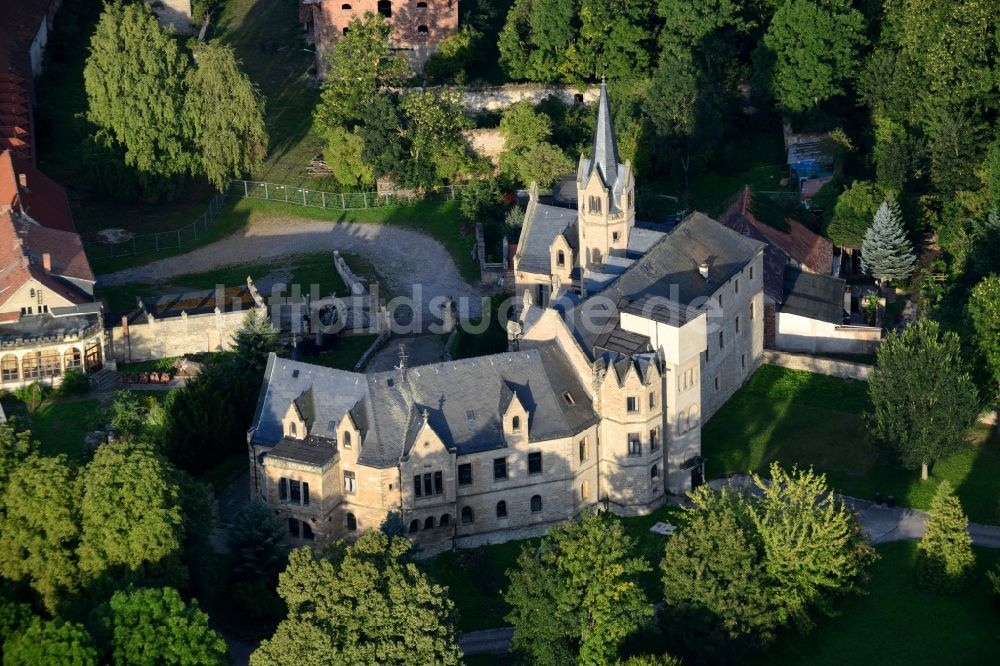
(412, 263)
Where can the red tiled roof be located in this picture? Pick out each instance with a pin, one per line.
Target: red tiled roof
(813, 252)
(43, 200)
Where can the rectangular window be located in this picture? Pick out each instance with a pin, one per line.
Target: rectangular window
(428, 485)
(654, 439)
(418, 488)
(465, 474)
(634, 444)
(720, 301)
(499, 469)
(283, 489)
(652, 400)
(583, 449)
(751, 310)
(722, 340)
(438, 483)
(307, 532)
(716, 383)
(305, 493)
(534, 463)
(751, 272)
(737, 323)
(743, 361)
(736, 286)
(632, 404)
(296, 491)
(350, 483)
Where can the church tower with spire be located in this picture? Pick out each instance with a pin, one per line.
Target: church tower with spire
(605, 191)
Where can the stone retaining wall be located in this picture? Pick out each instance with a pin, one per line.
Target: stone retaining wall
(817, 364)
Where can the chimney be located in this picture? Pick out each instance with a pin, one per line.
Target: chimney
(22, 178)
(703, 269)
(47, 262)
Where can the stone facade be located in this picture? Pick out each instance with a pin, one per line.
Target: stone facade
(417, 26)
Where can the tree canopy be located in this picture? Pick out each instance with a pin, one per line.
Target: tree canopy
(749, 562)
(147, 626)
(50, 642)
(924, 400)
(815, 45)
(576, 597)
(945, 561)
(984, 310)
(40, 528)
(361, 605)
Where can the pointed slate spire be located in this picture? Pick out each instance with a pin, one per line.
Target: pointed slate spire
(605, 154)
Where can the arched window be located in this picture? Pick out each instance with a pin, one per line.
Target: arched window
(347, 440)
(352, 523)
(50, 363)
(72, 358)
(29, 365)
(346, 7)
(560, 258)
(421, 5)
(385, 8)
(292, 428)
(8, 368)
(293, 527)
(345, 30)
(536, 503)
(585, 491)
(654, 472)
(501, 509)
(307, 532)
(467, 515)
(515, 424)
(414, 525)
(429, 523)
(422, 30)
(681, 423)
(583, 449)
(445, 520)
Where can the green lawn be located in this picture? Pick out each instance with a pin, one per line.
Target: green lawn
(807, 419)
(60, 426)
(898, 624)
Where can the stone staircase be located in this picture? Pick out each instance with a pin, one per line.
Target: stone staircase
(105, 381)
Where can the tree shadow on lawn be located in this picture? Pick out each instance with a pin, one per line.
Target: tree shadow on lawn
(806, 419)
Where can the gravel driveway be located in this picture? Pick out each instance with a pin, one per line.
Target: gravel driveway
(404, 257)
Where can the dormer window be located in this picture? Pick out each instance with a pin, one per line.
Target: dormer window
(331, 426)
(515, 424)
(568, 397)
(560, 258)
(347, 439)
(292, 428)
(595, 204)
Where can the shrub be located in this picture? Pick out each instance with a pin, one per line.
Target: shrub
(945, 559)
(74, 382)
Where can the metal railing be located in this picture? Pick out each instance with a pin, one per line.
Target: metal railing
(175, 239)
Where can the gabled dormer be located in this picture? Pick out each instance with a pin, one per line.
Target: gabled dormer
(513, 415)
(293, 424)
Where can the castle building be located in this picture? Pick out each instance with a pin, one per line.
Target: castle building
(629, 336)
(418, 26)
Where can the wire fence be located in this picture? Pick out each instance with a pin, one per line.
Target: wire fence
(162, 241)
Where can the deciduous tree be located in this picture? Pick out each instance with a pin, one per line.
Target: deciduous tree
(39, 528)
(132, 523)
(853, 213)
(224, 116)
(815, 44)
(945, 561)
(15, 448)
(155, 626)
(984, 310)
(134, 78)
(50, 642)
(362, 605)
(924, 400)
(576, 597)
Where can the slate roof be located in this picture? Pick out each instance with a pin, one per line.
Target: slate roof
(463, 400)
(540, 229)
(312, 450)
(814, 296)
(665, 284)
(604, 160)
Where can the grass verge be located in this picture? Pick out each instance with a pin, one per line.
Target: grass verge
(805, 419)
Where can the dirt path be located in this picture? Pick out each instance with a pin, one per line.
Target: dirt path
(406, 258)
